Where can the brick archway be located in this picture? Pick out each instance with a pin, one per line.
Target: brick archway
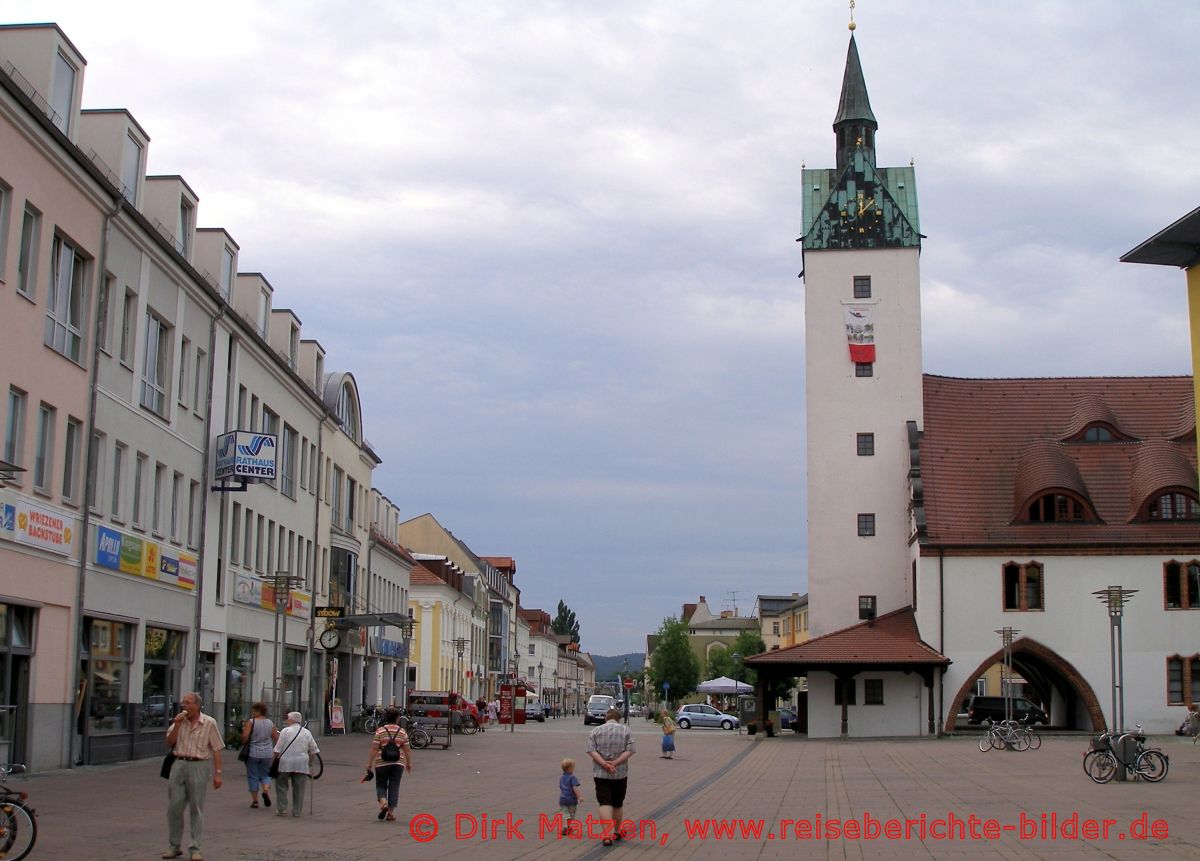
(1043, 655)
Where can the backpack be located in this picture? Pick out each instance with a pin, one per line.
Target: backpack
(389, 751)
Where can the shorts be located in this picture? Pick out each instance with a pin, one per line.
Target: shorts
(568, 810)
(611, 792)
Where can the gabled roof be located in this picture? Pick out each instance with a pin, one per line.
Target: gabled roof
(892, 640)
(989, 446)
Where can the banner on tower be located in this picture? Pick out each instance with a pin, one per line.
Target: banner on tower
(860, 333)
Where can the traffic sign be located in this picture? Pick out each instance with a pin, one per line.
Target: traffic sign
(666, 686)
(629, 683)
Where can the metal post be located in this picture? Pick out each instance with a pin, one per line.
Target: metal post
(282, 585)
(1115, 598)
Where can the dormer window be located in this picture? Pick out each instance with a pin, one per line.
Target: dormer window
(187, 220)
(1177, 505)
(264, 311)
(226, 272)
(1056, 508)
(347, 411)
(1100, 432)
(131, 168)
(64, 93)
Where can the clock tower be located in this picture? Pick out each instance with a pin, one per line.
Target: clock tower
(862, 311)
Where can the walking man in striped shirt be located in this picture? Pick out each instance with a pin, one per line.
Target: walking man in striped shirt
(197, 743)
(610, 746)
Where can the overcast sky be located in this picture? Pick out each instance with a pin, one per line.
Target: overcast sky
(554, 241)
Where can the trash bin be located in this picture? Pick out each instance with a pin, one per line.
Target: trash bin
(747, 712)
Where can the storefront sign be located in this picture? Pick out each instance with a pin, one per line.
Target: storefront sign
(38, 525)
(129, 554)
(385, 648)
(242, 454)
(330, 612)
(261, 593)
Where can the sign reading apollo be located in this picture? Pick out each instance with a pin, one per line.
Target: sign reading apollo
(244, 454)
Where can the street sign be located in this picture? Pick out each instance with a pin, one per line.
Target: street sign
(629, 683)
(666, 686)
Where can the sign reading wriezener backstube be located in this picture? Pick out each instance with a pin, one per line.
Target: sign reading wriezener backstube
(244, 454)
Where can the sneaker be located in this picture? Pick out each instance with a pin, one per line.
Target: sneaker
(281, 812)
(173, 853)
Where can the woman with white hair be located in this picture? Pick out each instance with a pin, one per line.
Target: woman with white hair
(295, 749)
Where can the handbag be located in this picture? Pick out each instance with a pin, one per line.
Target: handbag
(273, 771)
(168, 761)
(244, 753)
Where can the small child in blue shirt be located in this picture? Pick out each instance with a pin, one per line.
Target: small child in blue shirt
(569, 795)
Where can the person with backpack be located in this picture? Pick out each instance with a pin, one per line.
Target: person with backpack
(390, 757)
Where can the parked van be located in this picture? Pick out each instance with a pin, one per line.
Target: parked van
(980, 709)
(597, 706)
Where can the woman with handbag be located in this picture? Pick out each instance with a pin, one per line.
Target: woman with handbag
(294, 749)
(258, 736)
(668, 737)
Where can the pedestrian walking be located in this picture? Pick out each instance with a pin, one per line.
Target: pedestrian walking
(260, 734)
(196, 742)
(295, 747)
(668, 735)
(389, 758)
(610, 746)
(569, 794)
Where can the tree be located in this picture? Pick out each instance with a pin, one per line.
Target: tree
(565, 622)
(751, 643)
(673, 660)
(720, 663)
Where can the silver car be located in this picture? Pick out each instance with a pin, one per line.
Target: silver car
(699, 714)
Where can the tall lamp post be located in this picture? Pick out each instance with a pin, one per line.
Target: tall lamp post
(554, 699)
(406, 632)
(1006, 638)
(541, 693)
(281, 586)
(516, 666)
(460, 646)
(1115, 598)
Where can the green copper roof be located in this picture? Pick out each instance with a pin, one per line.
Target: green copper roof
(854, 104)
(828, 194)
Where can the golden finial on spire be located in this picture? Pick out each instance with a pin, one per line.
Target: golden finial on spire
(852, 25)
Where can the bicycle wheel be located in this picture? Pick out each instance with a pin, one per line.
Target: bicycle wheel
(470, 727)
(1035, 740)
(1152, 765)
(370, 723)
(1104, 767)
(997, 738)
(1019, 739)
(985, 741)
(418, 739)
(18, 830)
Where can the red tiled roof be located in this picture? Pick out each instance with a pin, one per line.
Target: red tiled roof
(991, 446)
(893, 639)
(422, 576)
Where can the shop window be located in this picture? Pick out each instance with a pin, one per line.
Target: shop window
(162, 672)
(108, 659)
(239, 681)
(293, 678)
(873, 692)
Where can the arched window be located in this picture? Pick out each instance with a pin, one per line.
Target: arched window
(1176, 505)
(1055, 508)
(1181, 585)
(347, 411)
(1097, 433)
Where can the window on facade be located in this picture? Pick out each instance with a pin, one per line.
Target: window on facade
(131, 167)
(63, 94)
(862, 286)
(1023, 587)
(181, 390)
(187, 220)
(1183, 680)
(287, 461)
(866, 525)
(70, 482)
(872, 692)
(108, 658)
(347, 412)
(5, 205)
(866, 445)
(156, 367)
(156, 492)
(337, 497)
(864, 369)
(1055, 508)
(193, 512)
(14, 426)
(162, 674)
(1174, 506)
(293, 346)
(103, 335)
(176, 504)
(775, 629)
(43, 461)
(128, 308)
(119, 450)
(342, 565)
(67, 302)
(27, 255)
(199, 392)
(351, 499)
(140, 469)
(239, 680)
(264, 311)
(1181, 585)
(849, 687)
(226, 272)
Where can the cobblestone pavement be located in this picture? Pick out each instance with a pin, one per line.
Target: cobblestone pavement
(118, 812)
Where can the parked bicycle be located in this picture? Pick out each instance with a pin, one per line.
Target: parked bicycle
(418, 736)
(1009, 734)
(368, 720)
(18, 825)
(1103, 758)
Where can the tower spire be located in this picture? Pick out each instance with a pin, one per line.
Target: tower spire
(855, 123)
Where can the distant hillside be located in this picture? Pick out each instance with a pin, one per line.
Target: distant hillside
(607, 667)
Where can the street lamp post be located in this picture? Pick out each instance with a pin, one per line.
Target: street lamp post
(281, 586)
(554, 699)
(460, 646)
(541, 693)
(1006, 638)
(406, 632)
(1115, 598)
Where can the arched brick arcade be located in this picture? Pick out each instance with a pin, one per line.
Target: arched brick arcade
(1044, 670)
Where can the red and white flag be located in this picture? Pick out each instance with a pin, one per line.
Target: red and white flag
(860, 333)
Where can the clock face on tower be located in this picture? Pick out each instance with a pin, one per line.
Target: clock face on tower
(857, 219)
(330, 639)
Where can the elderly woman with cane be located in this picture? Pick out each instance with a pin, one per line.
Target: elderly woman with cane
(294, 751)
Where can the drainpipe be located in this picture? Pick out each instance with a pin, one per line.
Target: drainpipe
(941, 635)
(89, 469)
(208, 419)
(316, 674)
